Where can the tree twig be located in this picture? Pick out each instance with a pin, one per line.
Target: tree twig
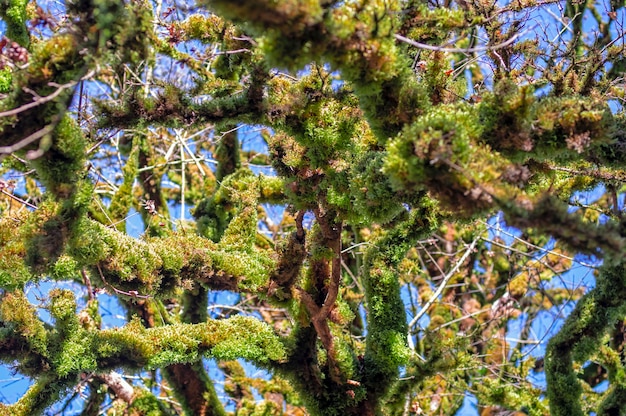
(444, 283)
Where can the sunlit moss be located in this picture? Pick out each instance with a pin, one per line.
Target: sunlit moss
(21, 318)
(56, 58)
(14, 13)
(578, 339)
(13, 272)
(6, 80)
(361, 156)
(146, 404)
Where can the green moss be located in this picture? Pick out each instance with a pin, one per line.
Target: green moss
(497, 391)
(445, 134)
(13, 12)
(371, 190)
(241, 232)
(387, 347)
(271, 189)
(13, 272)
(56, 58)
(124, 260)
(6, 80)
(238, 337)
(345, 358)
(251, 269)
(62, 304)
(579, 337)
(146, 404)
(65, 268)
(227, 153)
(21, 317)
(134, 32)
(90, 318)
(62, 165)
(428, 22)
(205, 28)
(249, 339)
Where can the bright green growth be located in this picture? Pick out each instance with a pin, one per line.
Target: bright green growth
(21, 319)
(61, 166)
(6, 80)
(13, 272)
(396, 130)
(14, 13)
(386, 347)
(578, 339)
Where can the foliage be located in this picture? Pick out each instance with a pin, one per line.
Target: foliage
(394, 134)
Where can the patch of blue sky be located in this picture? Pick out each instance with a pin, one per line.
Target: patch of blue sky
(70, 404)
(469, 407)
(545, 325)
(111, 311)
(363, 315)
(537, 379)
(410, 298)
(587, 197)
(107, 170)
(251, 139)
(616, 106)
(18, 180)
(218, 378)
(13, 385)
(266, 170)
(307, 221)
(223, 303)
(38, 295)
(175, 71)
(514, 329)
(275, 215)
(256, 373)
(336, 83)
(601, 387)
(499, 230)
(577, 277)
(134, 224)
(181, 216)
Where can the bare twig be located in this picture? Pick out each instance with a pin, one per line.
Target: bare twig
(38, 101)
(17, 199)
(456, 50)
(28, 140)
(443, 283)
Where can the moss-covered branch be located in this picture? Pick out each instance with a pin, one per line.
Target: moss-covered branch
(579, 338)
(356, 40)
(70, 349)
(386, 347)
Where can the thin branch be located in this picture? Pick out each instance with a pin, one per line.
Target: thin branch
(536, 247)
(28, 140)
(462, 50)
(38, 101)
(444, 283)
(17, 199)
(42, 100)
